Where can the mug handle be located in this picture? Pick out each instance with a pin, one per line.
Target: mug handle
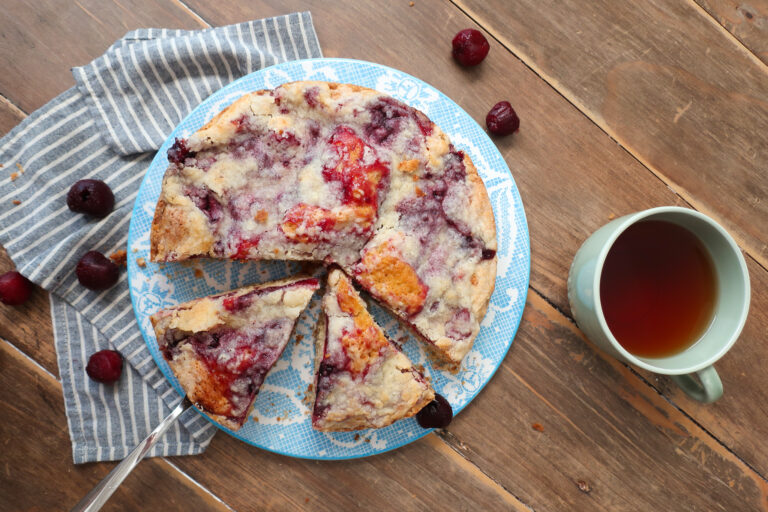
(707, 391)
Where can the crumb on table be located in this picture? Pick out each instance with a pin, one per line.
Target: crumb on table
(14, 175)
(141, 262)
(16, 202)
(538, 427)
(199, 273)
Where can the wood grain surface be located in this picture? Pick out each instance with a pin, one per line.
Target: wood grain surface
(603, 92)
(51, 36)
(664, 81)
(37, 471)
(747, 21)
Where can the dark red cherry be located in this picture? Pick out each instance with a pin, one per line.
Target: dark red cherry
(502, 119)
(436, 414)
(91, 196)
(14, 288)
(96, 272)
(105, 366)
(470, 47)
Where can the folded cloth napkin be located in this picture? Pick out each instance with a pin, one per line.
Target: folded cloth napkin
(123, 107)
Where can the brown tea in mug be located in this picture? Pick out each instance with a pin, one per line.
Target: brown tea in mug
(658, 289)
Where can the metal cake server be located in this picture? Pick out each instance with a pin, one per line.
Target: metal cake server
(99, 495)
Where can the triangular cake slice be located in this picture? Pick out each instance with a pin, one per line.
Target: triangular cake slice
(363, 379)
(221, 347)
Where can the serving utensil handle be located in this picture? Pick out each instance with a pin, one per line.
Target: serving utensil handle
(100, 494)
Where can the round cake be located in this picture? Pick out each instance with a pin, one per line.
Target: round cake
(344, 175)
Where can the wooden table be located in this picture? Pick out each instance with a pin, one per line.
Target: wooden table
(624, 106)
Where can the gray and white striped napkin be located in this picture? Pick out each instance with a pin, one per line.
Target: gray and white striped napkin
(123, 107)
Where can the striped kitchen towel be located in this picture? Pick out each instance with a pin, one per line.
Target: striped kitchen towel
(123, 107)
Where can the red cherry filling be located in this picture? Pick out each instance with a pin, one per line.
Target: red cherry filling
(387, 116)
(311, 96)
(206, 201)
(239, 303)
(459, 327)
(469, 47)
(244, 247)
(235, 303)
(105, 366)
(306, 223)
(237, 360)
(179, 152)
(436, 414)
(360, 182)
(14, 288)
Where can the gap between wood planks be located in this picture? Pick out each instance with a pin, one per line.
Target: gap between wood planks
(735, 40)
(582, 108)
(14, 107)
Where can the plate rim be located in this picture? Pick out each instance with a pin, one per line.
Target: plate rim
(132, 267)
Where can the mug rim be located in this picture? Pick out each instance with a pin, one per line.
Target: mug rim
(602, 255)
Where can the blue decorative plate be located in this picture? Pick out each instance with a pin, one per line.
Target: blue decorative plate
(281, 417)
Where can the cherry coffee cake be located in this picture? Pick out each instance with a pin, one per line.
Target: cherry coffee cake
(344, 175)
(221, 347)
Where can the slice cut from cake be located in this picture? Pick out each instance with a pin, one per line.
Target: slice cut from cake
(362, 379)
(221, 347)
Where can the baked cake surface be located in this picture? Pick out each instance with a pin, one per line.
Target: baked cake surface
(346, 175)
(221, 347)
(362, 379)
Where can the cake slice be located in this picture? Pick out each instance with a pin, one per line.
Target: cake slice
(221, 347)
(362, 379)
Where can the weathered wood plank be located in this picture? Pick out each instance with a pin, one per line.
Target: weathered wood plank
(29, 326)
(572, 430)
(747, 21)
(49, 37)
(37, 471)
(682, 96)
(425, 475)
(10, 116)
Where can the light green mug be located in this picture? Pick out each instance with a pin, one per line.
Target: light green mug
(731, 306)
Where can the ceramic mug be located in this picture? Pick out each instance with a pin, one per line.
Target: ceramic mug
(731, 306)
